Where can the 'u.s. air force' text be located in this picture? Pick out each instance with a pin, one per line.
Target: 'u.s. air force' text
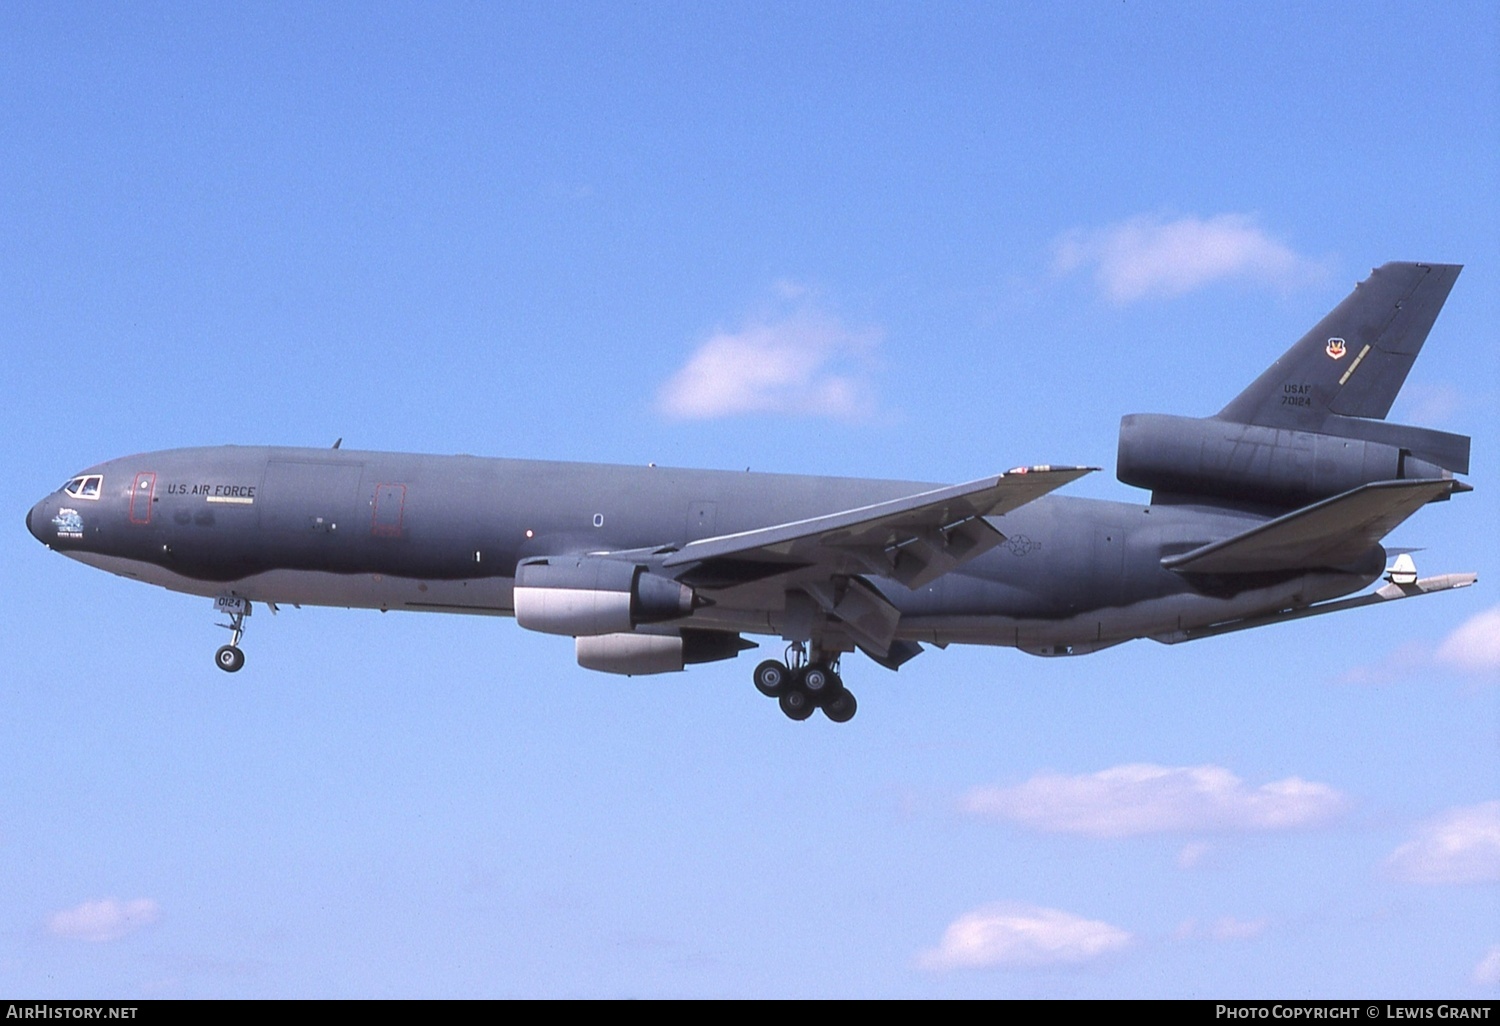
(208, 490)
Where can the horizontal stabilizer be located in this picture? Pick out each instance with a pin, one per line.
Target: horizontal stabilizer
(1387, 593)
(1331, 533)
(915, 539)
(1447, 450)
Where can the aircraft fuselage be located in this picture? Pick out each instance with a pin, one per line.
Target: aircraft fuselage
(445, 533)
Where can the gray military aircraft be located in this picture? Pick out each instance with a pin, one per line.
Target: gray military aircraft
(1270, 510)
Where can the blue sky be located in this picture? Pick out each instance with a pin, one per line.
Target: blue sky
(922, 242)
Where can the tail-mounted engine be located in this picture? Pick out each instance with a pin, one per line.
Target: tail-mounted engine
(1209, 457)
(591, 595)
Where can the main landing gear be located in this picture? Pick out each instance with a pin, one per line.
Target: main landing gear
(229, 658)
(801, 686)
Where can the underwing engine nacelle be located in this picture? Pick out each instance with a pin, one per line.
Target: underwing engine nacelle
(640, 654)
(582, 596)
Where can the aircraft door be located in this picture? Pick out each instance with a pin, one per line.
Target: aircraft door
(390, 509)
(142, 495)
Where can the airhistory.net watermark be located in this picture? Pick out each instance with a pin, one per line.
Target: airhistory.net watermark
(43, 1010)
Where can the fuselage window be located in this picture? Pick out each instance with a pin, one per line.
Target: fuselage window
(86, 487)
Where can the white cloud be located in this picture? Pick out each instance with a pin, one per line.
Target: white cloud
(1460, 846)
(1411, 660)
(1141, 798)
(1024, 936)
(1487, 972)
(1192, 855)
(105, 920)
(1473, 649)
(788, 289)
(1226, 928)
(1476, 645)
(803, 364)
(1148, 256)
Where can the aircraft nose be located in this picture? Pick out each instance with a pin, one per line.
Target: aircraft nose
(35, 518)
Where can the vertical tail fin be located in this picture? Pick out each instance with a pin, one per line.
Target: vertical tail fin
(1313, 425)
(1355, 360)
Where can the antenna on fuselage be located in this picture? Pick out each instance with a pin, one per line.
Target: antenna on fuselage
(339, 442)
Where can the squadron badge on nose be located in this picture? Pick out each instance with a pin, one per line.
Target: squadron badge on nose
(69, 524)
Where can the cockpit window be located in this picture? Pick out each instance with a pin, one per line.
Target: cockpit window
(87, 486)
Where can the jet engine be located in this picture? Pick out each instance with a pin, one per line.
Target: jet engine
(592, 595)
(1278, 466)
(639, 654)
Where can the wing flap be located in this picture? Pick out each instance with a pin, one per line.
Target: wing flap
(1333, 532)
(915, 539)
(866, 614)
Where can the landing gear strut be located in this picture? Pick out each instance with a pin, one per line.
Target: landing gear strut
(229, 658)
(802, 684)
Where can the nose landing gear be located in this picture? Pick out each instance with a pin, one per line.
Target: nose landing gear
(801, 685)
(230, 658)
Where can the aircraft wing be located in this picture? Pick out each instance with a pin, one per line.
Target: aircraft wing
(914, 539)
(1333, 532)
